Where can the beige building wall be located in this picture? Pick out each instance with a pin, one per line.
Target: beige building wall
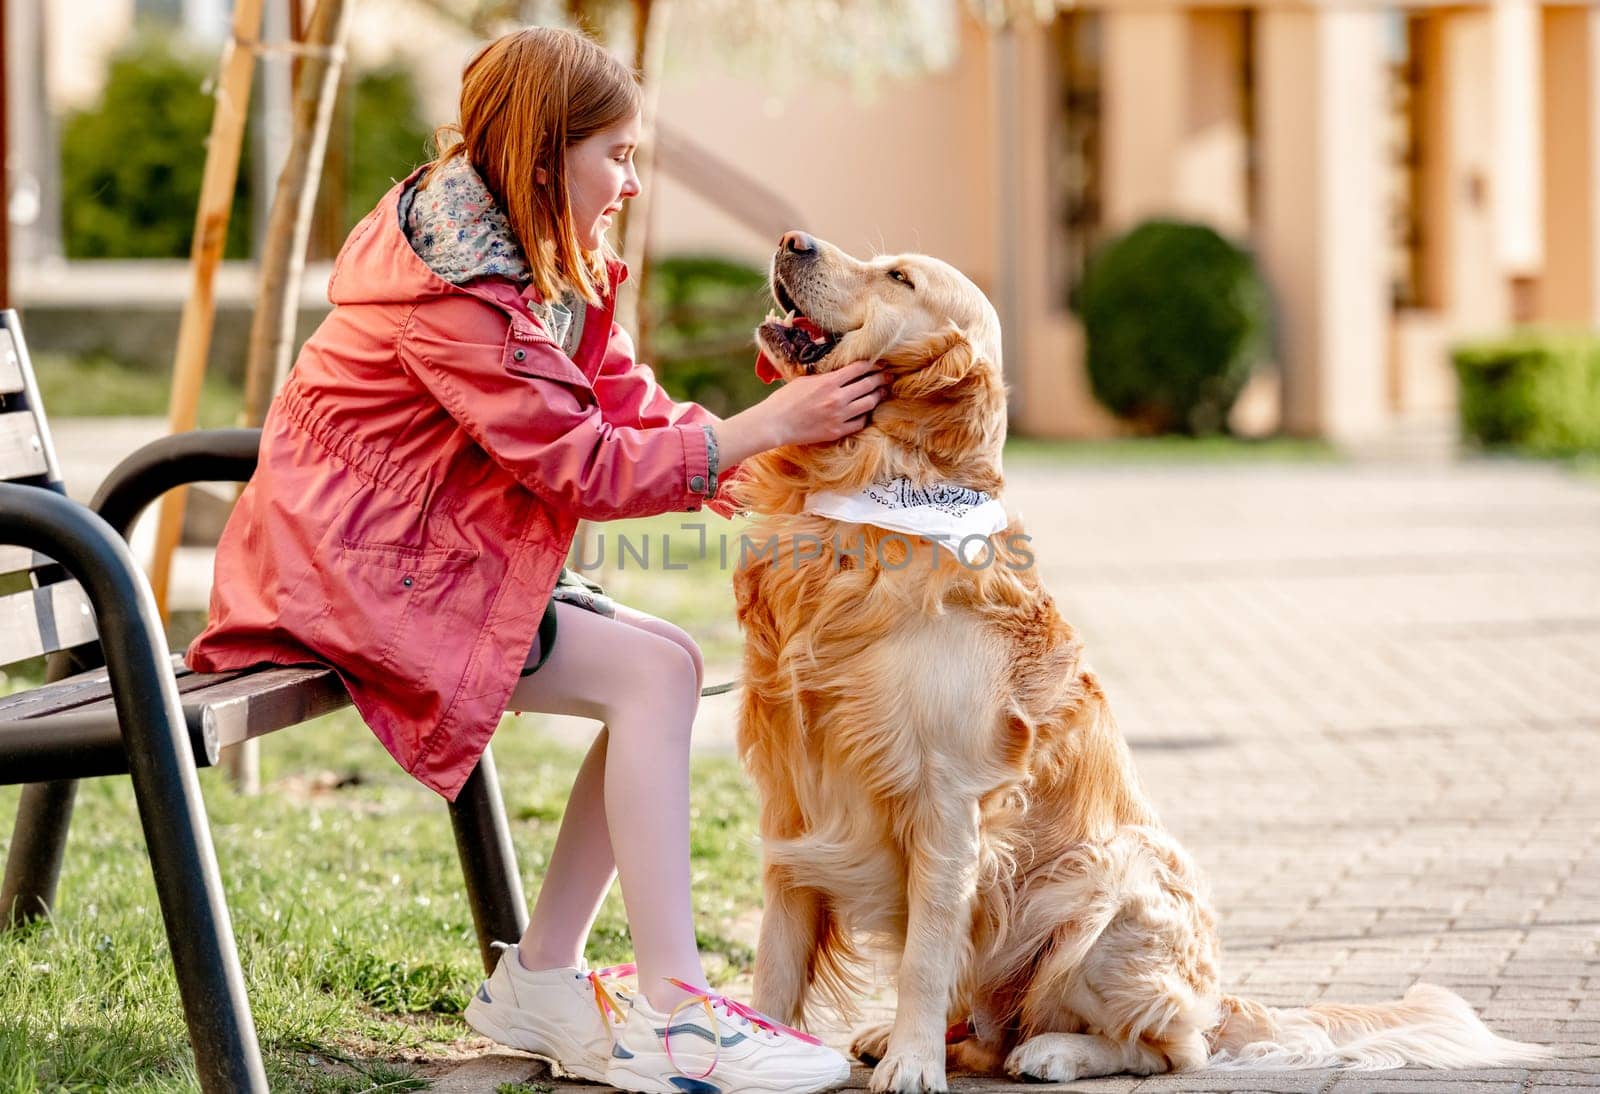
(905, 169)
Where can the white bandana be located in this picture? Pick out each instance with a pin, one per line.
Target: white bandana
(944, 513)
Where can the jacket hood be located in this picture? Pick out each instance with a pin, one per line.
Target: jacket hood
(457, 228)
(378, 263)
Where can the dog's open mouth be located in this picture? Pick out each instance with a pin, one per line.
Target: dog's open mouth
(794, 335)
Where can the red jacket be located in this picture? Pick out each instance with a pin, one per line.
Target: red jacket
(422, 475)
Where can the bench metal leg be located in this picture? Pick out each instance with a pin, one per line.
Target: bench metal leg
(38, 842)
(161, 765)
(39, 837)
(483, 839)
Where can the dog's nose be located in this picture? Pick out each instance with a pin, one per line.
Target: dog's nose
(798, 243)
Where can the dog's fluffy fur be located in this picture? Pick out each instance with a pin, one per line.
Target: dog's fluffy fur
(942, 783)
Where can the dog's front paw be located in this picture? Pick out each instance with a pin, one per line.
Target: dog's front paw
(907, 1073)
(872, 1043)
(1047, 1058)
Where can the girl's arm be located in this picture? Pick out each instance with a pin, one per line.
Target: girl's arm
(630, 395)
(526, 404)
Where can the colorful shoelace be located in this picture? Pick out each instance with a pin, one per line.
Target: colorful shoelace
(711, 1000)
(610, 1009)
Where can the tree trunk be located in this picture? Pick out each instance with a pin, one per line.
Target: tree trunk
(283, 256)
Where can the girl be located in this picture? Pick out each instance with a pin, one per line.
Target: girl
(422, 473)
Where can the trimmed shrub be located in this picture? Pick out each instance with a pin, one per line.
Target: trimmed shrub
(1537, 392)
(1175, 318)
(131, 164)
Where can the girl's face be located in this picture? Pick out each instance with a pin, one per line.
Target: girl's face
(600, 177)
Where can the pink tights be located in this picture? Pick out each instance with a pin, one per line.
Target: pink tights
(628, 814)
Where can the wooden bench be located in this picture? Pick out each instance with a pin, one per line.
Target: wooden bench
(81, 598)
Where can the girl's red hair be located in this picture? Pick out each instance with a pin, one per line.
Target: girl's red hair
(525, 98)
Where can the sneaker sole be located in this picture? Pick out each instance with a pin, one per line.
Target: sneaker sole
(557, 1051)
(621, 1076)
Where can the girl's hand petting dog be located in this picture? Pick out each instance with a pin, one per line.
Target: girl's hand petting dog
(805, 410)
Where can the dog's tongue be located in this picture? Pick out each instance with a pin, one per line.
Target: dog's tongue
(803, 323)
(766, 369)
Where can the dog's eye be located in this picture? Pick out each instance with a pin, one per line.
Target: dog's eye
(900, 276)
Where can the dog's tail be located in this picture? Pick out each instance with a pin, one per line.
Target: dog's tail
(1431, 1026)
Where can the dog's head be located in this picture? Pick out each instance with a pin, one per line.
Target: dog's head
(934, 330)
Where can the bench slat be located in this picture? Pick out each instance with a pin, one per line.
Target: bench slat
(69, 729)
(63, 695)
(36, 621)
(265, 702)
(21, 447)
(10, 364)
(239, 705)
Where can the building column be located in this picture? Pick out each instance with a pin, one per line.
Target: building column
(1320, 230)
(1570, 288)
(1517, 190)
(1212, 184)
(33, 159)
(1144, 111)
(1044, 363)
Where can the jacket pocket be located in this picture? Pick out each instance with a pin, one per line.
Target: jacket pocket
(414, 612)
(540, 358)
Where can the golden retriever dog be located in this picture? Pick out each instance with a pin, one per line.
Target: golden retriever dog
(942, 785)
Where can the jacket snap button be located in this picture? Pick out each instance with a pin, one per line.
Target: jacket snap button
(697, 483)
(519, 355)
(406, 581)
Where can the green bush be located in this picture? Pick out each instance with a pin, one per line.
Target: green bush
(702, 314)
(387, 139)
(1536, 391)
(131, 164)
(1175, 319)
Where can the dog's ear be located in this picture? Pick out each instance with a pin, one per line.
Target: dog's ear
(933, 365)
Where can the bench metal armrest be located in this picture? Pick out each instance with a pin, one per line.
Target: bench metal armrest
(200, 455)
(145, 694)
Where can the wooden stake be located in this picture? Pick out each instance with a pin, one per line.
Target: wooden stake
(210, 234)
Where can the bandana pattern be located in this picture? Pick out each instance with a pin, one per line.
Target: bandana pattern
(955, 517)
(902, 493)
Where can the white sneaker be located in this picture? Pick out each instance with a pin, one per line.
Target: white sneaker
(568, 1016)
(712, 1045)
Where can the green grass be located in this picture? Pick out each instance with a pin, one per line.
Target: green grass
(1167, 449)
(96, 386)
(698, 598)
(347, 903)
